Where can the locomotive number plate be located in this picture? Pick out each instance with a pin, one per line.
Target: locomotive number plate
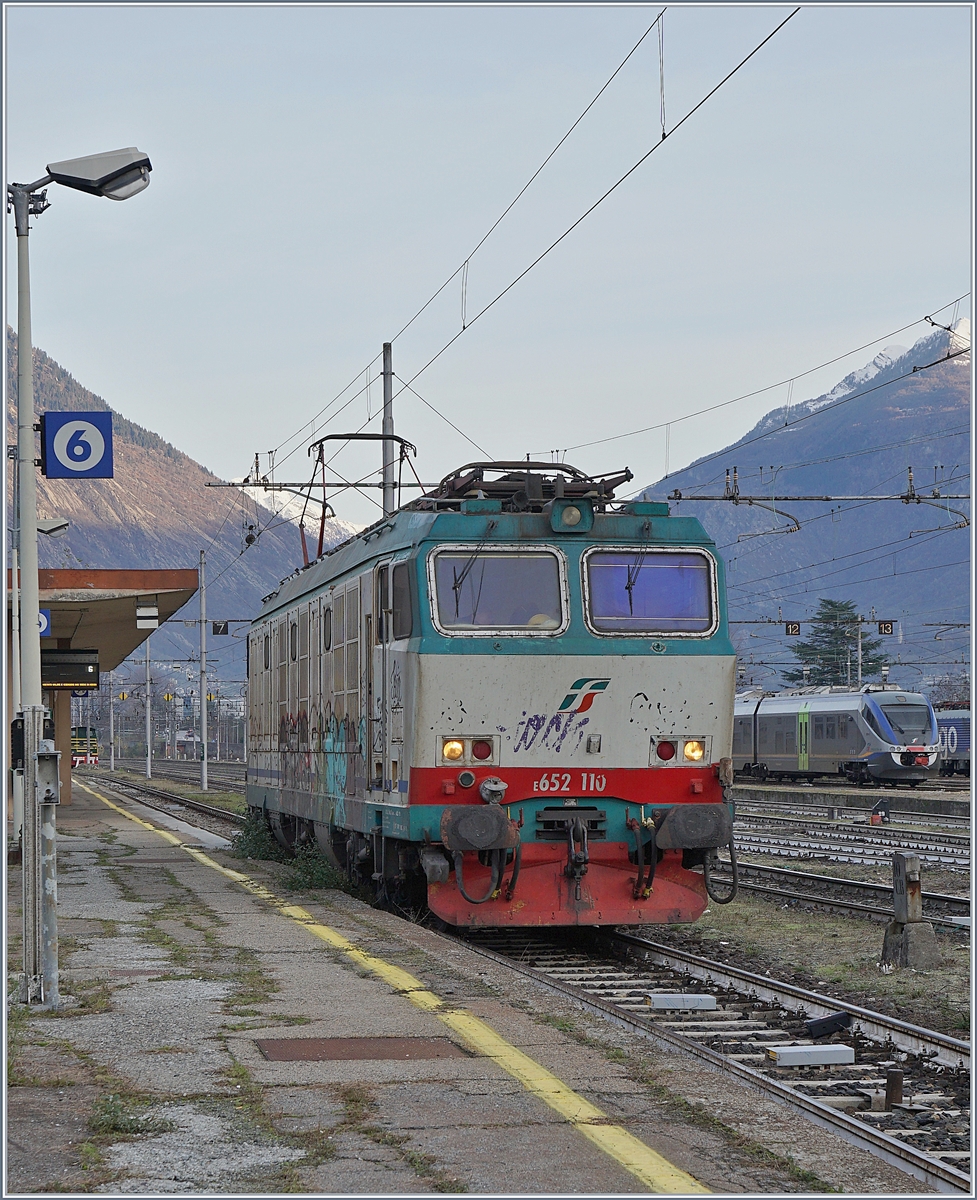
(560, 781)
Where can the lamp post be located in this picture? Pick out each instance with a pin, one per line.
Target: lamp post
(117, 175)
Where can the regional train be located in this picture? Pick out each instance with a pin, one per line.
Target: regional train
(880, 734)
(953, 723)
(510, 699)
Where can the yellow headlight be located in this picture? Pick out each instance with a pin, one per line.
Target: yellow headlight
(452, 749)
(694, 751)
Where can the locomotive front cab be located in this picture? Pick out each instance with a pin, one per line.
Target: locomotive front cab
(577, 681)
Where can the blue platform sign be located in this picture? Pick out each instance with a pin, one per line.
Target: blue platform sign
(76, 445)
(44, 622)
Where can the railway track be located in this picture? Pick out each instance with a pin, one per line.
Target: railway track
(842, 814)
(849, 896)
(834, 783)
(230, 776)
(163, 801)
(858, 844)
(618, 975)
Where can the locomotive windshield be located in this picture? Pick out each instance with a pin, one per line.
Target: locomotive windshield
(484, 590)
(642, 591)
(910, 722)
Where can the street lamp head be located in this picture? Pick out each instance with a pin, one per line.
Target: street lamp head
(116, 174)
(53, 526)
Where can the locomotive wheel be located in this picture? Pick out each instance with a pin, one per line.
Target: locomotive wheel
(285, 828)
(332, 845)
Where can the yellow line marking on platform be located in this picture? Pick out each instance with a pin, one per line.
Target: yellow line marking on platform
(656, 1172)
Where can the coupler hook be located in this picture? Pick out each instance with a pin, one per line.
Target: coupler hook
(577, 860)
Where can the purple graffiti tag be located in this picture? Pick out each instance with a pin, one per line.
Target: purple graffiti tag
(530, 732)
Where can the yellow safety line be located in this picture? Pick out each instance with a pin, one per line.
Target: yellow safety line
(656, 1172)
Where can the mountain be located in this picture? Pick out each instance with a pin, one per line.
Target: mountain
(157, 512)
(909, 563)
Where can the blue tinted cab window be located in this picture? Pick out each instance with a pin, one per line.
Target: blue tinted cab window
(649, 592)
(498, 590)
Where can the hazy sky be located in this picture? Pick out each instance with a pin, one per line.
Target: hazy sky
(319, 171)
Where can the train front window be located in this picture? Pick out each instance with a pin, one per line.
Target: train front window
(910, 722)
(506, 590)
(644, 591)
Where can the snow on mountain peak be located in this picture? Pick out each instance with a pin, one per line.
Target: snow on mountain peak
(960, 339)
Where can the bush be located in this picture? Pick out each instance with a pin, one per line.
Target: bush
(311, 869)
(256, 840)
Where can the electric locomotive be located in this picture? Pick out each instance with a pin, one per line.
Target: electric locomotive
(953, 722)
(880, 734)
(511, 698)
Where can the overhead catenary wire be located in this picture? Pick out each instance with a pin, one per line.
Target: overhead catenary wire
(600, 200)
(492, 228)
(700, 412)
(807, 416)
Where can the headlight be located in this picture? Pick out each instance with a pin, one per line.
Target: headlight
(571, 515)
(694, 751)
(452, 749)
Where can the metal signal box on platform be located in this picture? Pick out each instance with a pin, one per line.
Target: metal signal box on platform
(47, 778)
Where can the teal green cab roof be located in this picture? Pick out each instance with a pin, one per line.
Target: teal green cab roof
(407, 532)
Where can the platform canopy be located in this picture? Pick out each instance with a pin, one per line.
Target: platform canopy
(96, 609)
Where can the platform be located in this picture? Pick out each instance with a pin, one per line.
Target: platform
(821, 794)
(191, 968)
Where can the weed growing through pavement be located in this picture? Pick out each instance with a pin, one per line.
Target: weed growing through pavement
(359, 1106)
(112, 1114)
(311, 869)
(255, 840)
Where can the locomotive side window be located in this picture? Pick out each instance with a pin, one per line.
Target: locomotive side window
(293, 641)
(326, 628)
(267, 651)
(403, 621)
(382, 603)
(643, 591)
(484, 591)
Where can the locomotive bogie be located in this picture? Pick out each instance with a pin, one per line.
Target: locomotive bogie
(503, 714)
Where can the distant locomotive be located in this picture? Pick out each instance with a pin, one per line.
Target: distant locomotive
(953, 723)
(512, 698)
(880, 734)
(84, 747)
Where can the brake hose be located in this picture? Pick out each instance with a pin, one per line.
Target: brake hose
(707, 877)
(516, 864)
(458, 857)
(642, 889)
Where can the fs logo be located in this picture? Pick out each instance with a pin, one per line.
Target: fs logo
(582, 694)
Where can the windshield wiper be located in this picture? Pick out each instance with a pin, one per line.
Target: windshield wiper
(634, 568)
(459, 579)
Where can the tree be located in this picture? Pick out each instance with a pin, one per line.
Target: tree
(951, 689)
(833, 645)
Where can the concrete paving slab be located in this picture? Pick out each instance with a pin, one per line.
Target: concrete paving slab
(203, 1148)
(422, 1105)
(531, 1158)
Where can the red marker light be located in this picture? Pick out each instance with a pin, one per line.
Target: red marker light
(481, 750)
(665, 751)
